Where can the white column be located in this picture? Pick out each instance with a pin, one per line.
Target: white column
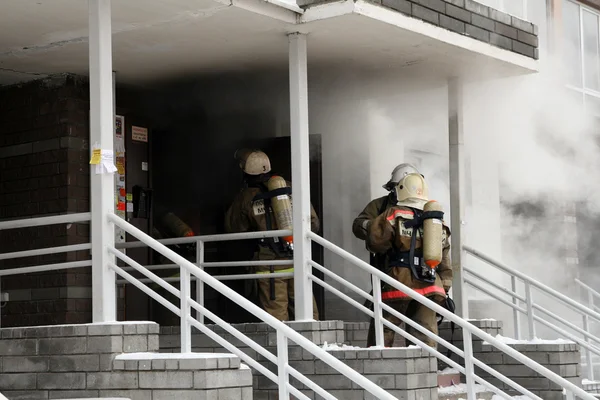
(457, 182)
(102, 185)
(300, 175)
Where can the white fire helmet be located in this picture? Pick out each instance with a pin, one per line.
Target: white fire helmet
(398, 173)
(412, 191)
(253, 162)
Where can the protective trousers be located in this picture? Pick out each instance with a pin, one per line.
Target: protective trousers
(414, 310)
(283, 304)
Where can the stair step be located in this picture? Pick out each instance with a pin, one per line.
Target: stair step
(459, 392)
(448, 377)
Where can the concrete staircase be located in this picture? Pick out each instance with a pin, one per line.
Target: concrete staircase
(122, 360)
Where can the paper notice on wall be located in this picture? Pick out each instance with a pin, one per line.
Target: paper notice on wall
(130, 207)
(96, 157)
(106, 164)
(139, 134)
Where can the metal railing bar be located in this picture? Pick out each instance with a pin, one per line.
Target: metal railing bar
(223, 277)
(497, 286)
(45, 268)
(339, 366)
(234, 332)
(459, 367)
(341, 280)
(493, 295)
(553, 327)
(546, 289)
(438, 339)
(254, 276)
(45, 251)
(249, 342)
(589, 289)
(569, 324)
(253, 263)
(40, 221)
(145, 289)
(298, 393)
(231, 348)
(138, 267)
(451, 317)
(566, 334)
(342, 295)
(232, 264)
(225, 237)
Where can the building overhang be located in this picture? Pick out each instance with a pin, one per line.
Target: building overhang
(160, 39)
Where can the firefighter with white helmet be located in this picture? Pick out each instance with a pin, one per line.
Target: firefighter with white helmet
(265, 203)
(415, 245)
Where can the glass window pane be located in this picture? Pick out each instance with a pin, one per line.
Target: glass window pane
(572, 43)
(591, 57)
(515, 7)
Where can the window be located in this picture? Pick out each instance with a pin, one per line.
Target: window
(518, 8)
(581, 52)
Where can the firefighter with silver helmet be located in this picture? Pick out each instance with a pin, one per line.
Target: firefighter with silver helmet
(265, 203)
(415, 243)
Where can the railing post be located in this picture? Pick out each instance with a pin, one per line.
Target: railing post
(104, 306)
(282, 366)
(515, 301)
(377, 312)
(586, 328)
(530, 319)
(457, 185)
(469, 368)
(300, 175)
(185, 293)
(199, 282)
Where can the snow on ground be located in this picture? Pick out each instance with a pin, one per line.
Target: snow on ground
(337, 347)
(449, 371)
(507, 340)
(459, 389)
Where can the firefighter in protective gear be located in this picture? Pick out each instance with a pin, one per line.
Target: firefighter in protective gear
(397, 233)
(252, 211)
(377, 207)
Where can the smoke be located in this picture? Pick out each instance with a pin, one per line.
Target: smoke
(531, 167)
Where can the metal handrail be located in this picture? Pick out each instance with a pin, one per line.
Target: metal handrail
(536, 318)
(284, 331)
(421, 329)
(468, 328)
(548, 290)
(225, 237)
(41, 221)
(589, 341)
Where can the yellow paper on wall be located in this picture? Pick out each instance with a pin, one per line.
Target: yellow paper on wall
(96, 156)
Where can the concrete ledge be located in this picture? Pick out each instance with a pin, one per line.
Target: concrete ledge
(176, 361)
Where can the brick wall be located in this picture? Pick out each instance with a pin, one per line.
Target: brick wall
(44, 168)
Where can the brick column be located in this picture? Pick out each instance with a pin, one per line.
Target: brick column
(44, 171)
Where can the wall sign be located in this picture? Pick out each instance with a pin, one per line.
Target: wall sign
(139, 134)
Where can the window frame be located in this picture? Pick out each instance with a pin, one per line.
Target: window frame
(583, 90)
